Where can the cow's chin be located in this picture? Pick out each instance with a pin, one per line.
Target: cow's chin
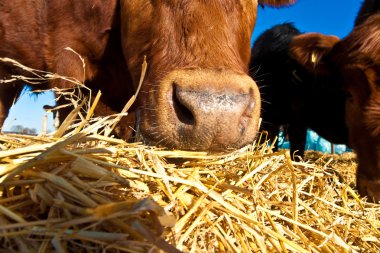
(368, 171)
(370, 188)
(202, 110)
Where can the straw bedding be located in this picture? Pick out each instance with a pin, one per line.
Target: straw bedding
(82, 190)
(90, 193)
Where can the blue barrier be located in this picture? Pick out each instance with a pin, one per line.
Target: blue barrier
(314, 142)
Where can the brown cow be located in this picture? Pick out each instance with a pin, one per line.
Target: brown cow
(196, 95)
(355, 62)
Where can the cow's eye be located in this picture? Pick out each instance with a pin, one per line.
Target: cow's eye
(349, 96)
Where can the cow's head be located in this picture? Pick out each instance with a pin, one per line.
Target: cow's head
(355, 62)
(196, 94)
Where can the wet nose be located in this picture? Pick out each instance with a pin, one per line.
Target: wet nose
(225, 113)
(201, 109)
(211, 112)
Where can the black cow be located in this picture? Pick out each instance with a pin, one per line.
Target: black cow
(291, 95)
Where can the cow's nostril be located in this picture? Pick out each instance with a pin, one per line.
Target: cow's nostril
(182, 112)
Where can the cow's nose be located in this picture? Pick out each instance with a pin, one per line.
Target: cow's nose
(201, 109)
(222, 114)
(210, 112)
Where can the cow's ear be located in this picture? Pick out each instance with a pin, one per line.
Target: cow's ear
(276, 3)
(311, 50)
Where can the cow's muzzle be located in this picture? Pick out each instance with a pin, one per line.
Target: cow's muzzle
(203, 110)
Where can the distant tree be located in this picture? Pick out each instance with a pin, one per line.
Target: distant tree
(23, 130)
(17, 128)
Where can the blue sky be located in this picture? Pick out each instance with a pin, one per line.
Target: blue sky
(325, 16)
(28, 112)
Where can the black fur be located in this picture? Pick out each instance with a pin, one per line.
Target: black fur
(291, 96)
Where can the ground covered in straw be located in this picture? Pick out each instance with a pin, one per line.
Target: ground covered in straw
(89, 193)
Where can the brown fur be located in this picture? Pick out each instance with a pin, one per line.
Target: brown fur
(276, 3)
(310, 49)
(207, 41)
(358, 57)
(355, 61)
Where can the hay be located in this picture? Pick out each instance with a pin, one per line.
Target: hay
(81, 190)
(89, 193)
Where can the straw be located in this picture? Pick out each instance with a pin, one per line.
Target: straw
(87, 191)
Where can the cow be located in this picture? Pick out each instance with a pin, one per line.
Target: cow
(196, 94)
(291, 95)
(354, 62)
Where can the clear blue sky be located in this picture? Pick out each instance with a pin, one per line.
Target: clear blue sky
(325, 16)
